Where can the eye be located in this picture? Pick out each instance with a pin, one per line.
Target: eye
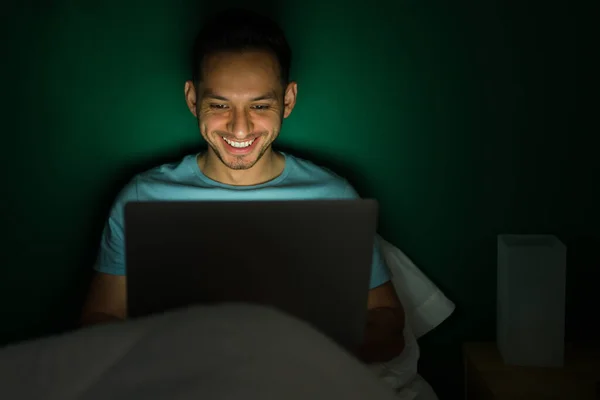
(218, 106)
(261, 107)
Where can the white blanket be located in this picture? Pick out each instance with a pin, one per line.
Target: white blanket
(226, 352)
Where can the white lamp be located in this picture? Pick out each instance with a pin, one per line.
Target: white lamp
(531, 300)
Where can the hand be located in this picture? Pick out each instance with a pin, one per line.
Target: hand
(384, 335)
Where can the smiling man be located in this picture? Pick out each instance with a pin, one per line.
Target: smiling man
(240, 94)
(240, 102)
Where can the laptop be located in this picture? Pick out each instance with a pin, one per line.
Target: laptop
(308, 258)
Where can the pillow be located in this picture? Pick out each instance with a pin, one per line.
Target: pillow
(424, 304)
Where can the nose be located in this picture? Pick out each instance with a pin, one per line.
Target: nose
(240, 124)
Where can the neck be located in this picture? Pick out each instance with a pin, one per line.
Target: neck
(269, 166)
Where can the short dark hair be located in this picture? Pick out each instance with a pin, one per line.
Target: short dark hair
(239, 30)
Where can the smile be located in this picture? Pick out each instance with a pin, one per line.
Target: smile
(239, 145)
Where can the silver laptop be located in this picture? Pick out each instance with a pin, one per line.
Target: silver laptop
(311, 259)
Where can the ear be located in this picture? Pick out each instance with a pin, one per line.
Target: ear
(289, 98)
(190, 97)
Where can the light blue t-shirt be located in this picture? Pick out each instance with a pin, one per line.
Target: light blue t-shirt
(300, 180)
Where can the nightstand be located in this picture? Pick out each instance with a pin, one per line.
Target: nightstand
(488, 378)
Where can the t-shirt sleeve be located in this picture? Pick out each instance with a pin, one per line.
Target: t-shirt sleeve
(111, 256)
(379, 271)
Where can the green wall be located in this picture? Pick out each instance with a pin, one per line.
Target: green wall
(461, 120)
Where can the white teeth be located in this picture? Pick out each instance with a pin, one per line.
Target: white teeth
(239, 144)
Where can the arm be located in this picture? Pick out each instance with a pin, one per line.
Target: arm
(384, 338)
(384, 334)
(107, 296)
(106, 300)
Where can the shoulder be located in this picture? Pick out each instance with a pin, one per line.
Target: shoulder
(309, 173)
(179, 171)
(168, 174)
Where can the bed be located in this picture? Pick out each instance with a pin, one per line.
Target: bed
(230, 351)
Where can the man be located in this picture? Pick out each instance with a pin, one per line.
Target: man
(240, 93)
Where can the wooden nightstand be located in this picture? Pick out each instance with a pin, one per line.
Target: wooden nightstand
(487, 377)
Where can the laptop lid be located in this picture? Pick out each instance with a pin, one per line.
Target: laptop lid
(311, 259)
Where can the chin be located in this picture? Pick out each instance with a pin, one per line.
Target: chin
(239, 164)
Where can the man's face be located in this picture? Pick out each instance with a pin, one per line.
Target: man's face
(240, 105)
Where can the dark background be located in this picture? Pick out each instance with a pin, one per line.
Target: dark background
(464, 119)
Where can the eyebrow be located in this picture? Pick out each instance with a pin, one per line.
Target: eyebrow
(209, 94)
